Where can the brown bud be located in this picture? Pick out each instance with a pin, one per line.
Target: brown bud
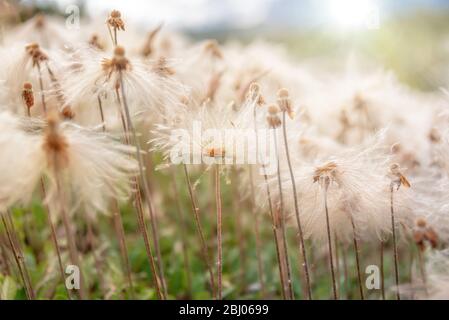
(67, 113)
(434, 135)
(119, 51)
(115, 20)
(94, 42)
(273, 119)
(285, 103)
(27, 95)
(212, 47)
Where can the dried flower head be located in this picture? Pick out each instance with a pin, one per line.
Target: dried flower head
(285, 103)
(148, 47)
(273, 117)
(162, 68)
(28, 95)
(212, 48)
(423, 233)
(90, 166)
(254, 94)
(94, 41)
(119, 62)
(36, 54)
(55, 144)
(115, 20)
(326, 174)
(434, 135)
(397, 178)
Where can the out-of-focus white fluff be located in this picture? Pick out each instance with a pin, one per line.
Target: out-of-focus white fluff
(98, 168)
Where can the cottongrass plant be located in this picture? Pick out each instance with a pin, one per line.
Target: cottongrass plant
(75, 162)
(75, 108)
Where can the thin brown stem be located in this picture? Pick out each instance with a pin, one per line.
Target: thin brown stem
(257, 234)
(100, 108)
(120, 232)
(41, 87)
(274, 225)
(337, 259)
(73, 251)
(345, 270)
(183, 232)
(357, 258)
(291, 295)
(118, 223)
(17, 257)
(302, 249)
(196, 214)
(91, 239)
(382, 275)
(395, 248)
(219, 232)
(329, 240)
(6, 263)
(144, 183)
(238, 219)
(422, 271)
(146, 239)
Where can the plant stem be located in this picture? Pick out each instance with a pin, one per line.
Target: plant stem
(302, 248)
(239, 234)
(282, 219)
(41, 87)
(382, 275)
(144, 184)
(73, 251)
(274, 225)
(422, 271)
(146, 239)
(183, 229)
(18, 258)
(345, 270)
(395, 248)
(100, 108)
(91, 239)
(329, 239)
(120, 232)
(337, 259)
(118, 223)
(357, 258)
(196, 214)
(219, 232)
(257, 234)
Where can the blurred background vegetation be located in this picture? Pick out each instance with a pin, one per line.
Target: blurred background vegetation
(412, 37)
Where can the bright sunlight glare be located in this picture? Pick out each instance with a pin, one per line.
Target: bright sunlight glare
(353, 14)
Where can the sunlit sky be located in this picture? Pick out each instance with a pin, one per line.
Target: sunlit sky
(197, 14)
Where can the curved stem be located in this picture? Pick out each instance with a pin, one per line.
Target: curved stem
(183, 229)
(298, 220)
(395, 248)
(281, 262)
(53, 232)
(17, 257)
(257, 234)
(118, 223)
(144, 183)
(196, 214)
(73, 251)
(382, 276)
(329, 239)
(282, 219)
(357, 258)
(219, 232)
